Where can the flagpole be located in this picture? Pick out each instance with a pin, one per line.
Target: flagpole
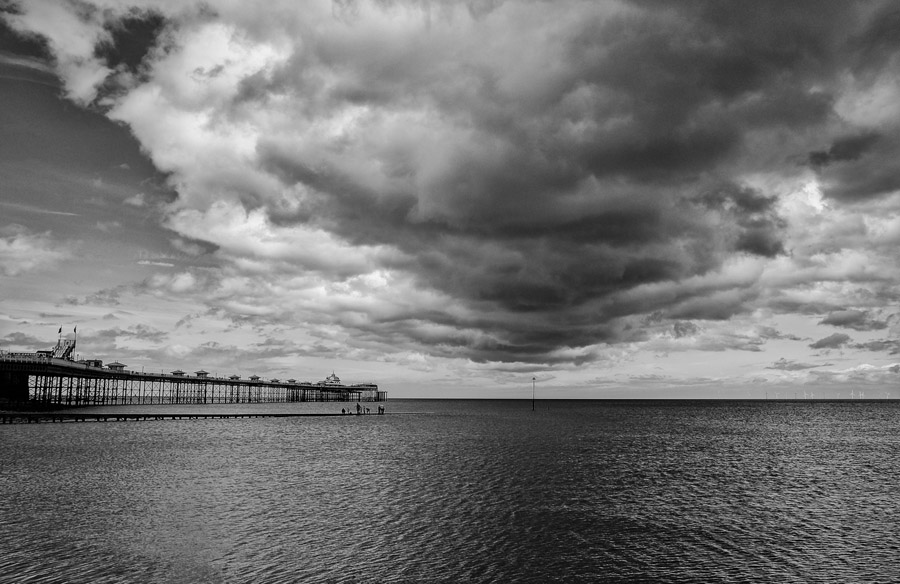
(532, 394)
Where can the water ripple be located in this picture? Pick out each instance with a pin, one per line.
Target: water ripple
(469, 491)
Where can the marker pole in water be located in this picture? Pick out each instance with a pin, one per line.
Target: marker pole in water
(532, 394)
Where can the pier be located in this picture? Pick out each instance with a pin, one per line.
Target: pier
(45, 381)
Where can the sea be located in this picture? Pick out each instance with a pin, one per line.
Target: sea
(459, 491)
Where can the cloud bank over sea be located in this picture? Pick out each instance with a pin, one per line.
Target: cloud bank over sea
(477, 188)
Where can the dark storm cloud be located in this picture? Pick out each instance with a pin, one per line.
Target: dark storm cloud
(879, 40)
(859, 320)
(533, 203)
(891, 346)
(835, 341)
(131, 39)
(583, 184)
(863, 168)
(815, 43)
(802, 307)
(848, 148)
(861, 165)
(757, 225)
(486, 337)
(546, 218)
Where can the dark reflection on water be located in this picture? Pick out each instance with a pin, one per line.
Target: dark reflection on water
(462, 491)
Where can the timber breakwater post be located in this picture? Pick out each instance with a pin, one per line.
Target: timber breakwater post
(52, 379)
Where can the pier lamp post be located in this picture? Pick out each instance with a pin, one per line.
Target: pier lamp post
(532, 393)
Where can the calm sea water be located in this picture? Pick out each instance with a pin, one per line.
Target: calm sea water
(461, 491)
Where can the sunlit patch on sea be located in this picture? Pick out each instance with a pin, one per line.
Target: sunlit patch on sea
(461, 491)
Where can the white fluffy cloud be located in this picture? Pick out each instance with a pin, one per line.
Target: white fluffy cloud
(22, 251)
(72, 35)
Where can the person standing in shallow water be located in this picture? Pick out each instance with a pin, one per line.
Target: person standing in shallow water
(358, 408)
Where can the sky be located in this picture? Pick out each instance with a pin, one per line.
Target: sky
(586, 199)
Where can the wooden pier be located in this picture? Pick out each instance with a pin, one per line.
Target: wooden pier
(40, 382)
